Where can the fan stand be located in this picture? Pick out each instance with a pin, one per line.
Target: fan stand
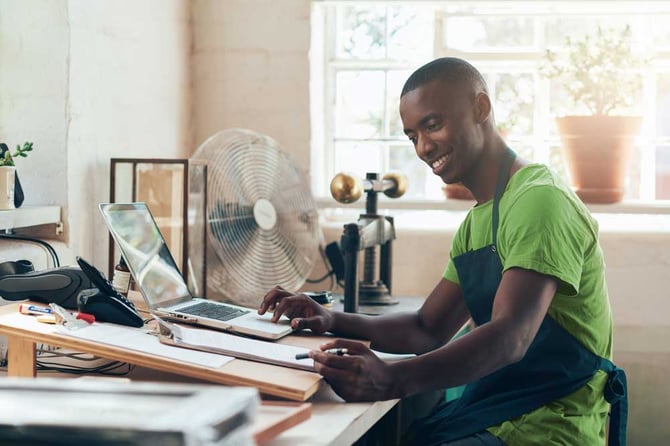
(371, 230)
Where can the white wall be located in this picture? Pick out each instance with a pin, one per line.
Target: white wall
(130, 96)
(251, 70)
(91, 80)
(34, 44)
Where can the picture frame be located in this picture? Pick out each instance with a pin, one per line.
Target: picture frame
(175, 190)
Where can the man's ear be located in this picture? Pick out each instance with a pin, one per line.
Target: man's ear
(482, 107)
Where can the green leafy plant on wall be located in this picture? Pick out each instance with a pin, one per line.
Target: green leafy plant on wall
(599, 71)
(7, 159)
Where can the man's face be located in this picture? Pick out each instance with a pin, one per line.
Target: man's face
(439, 119)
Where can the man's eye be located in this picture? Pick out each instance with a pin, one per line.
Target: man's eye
(431, 127)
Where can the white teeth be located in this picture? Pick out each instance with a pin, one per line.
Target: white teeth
(440, 162)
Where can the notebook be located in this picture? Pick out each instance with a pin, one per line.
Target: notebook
(164, 290)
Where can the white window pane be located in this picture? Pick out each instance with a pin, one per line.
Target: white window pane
(557, 161)
(395, 80)
(663, 173)
(360, 104)
(576, 27)
(361, 32)
(660, 30)
(514, 103)
(663, 105)
(411, 33)
(486, 33)
(359, 158)
(402, 158)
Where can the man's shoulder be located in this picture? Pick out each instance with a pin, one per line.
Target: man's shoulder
(537, 186)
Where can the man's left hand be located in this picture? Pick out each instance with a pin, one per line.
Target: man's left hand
(357, 376)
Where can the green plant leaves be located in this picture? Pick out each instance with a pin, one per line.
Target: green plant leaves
(7, 159)
(599, 71)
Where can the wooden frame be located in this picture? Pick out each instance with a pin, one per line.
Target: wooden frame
(148, 180)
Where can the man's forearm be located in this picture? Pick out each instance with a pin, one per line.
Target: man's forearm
(393, 333)
(475, 355)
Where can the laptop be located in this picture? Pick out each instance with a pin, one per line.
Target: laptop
(164, 290)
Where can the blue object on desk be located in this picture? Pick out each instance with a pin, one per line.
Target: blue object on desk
(453, 393)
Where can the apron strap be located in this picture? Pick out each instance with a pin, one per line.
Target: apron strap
(501, 183)
(616, 393)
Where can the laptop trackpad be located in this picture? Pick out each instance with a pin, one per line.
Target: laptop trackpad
(263, 323)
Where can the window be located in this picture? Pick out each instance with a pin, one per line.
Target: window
(370, 48)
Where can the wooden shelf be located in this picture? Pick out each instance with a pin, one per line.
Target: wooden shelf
(29, 216)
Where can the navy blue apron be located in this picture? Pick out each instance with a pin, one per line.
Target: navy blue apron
(555, 365)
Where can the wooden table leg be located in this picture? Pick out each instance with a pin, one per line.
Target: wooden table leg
(21, 360)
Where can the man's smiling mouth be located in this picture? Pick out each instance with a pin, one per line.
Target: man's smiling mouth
(439, 163)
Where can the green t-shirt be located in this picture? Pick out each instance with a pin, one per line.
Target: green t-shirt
(544, 227)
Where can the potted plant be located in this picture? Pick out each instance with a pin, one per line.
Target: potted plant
(602, 75)
(11, 195)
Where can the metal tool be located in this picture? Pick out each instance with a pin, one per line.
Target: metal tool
(69, 320)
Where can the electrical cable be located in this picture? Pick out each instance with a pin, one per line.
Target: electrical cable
(320, 279)
(49, 360)
(327, 265)
(49, 248)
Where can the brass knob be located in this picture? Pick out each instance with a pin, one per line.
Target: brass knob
(346, 188)
(400, 187)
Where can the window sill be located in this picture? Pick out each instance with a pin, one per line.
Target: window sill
(624, 207)
(621, 218)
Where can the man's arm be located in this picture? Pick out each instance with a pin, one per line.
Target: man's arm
(520, 305)
(436, 322)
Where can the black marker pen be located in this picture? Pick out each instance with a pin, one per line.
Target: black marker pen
(332, 351)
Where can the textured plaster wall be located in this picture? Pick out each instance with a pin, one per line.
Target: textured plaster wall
(130, 96)
(87, 81)
(34, 49)
(251, 70)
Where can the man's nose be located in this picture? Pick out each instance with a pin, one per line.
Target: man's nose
(424, 146)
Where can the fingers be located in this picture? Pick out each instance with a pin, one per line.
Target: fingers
(353, 347)
(293, 306)
(271, 298)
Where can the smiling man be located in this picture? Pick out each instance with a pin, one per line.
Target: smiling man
(525, 265)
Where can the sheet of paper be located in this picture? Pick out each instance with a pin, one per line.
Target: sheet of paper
(139, 340)
(243, 347)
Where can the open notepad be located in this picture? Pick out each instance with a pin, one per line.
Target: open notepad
(233, 345)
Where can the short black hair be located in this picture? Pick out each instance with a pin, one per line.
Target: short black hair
(451, 69)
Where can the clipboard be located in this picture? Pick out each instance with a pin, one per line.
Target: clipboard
(228, 344)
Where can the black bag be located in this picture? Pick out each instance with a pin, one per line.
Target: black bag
(18, 190)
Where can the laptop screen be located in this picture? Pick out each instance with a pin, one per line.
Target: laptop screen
(143, 247)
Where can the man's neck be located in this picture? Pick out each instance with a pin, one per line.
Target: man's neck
(482, 181)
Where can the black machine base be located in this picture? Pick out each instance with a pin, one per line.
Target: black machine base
(374, 294)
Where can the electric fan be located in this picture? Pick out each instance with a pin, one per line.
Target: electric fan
(262, 219)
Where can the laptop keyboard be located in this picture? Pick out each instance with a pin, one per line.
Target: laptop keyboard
(220, 312)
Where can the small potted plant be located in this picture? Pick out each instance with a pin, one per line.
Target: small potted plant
(11, 195)
(602, 76)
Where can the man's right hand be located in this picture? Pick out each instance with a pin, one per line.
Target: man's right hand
(303, 311)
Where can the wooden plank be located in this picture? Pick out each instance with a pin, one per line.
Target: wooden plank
(274, 417)
(292, 384)
(20, 357)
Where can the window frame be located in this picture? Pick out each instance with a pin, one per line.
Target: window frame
(522, 61)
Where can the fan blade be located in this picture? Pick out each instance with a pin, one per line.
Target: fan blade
(253, 255)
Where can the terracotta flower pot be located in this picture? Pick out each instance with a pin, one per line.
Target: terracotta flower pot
(597, 150)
